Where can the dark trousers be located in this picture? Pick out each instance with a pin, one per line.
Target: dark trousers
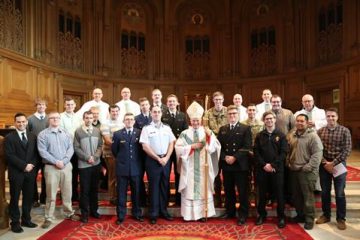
(122, 186)
(238, 179)
(158, 189)
(43, 186)
(177, 179)
(277, 183)
(75, 178)
(218, 187)
(89, 179)
(303, 194)
(25, 184)
(326, 179)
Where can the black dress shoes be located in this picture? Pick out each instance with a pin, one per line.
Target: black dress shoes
(298, 219)
(227, 216)
(84, 219)
(152, 220)
(29, 224)
(281, 223)
(241, 221)
(139, 218)
(167, 216)
(119, 221)
(16, 228)
(260, 220)
(202, 220)
(95, 215)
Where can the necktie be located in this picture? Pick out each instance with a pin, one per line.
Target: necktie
(267, 107)
(127, 107)
(23, 139)
(172, 115)
(129, 133)
(146, 119)
(231, 127)
(41, 117)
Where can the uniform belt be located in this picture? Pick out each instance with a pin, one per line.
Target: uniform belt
(162, 155)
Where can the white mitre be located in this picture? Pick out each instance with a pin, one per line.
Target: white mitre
(195, 110)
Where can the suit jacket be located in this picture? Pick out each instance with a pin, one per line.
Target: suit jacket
(126, 149)
(177, 124)
(18, 155)
(140, 121)
(236, 142)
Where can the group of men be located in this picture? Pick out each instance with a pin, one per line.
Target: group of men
(264, 147)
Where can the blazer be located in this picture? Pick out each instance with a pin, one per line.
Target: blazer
(177, 124)
(140, 121)
(126, 149)
(236, 142)
(18, 155)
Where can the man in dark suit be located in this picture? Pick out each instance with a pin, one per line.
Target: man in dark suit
(22, 157)
(235, 139)
(126, 149)
(177, 122)
(156, 96)
(141, 120)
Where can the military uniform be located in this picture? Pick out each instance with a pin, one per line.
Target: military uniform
(177, 123)
(235, 142)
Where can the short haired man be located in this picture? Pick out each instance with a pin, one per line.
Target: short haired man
(87, 145)
(55, 146)
(265, 105)
(126, 149)
(304, 158)
(108, 127)
(103, 106)
(36, 123)
(237, 100)
(158, 141)
(127, 105)
(235, 140)
(215, 118)
(156, 96)
(178, 123)
(70, 122)
(22, 158)
(270, 153)
(95, 111)
(255, 124)
(285, 120)
(337, 147)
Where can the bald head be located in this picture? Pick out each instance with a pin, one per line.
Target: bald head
(97, 94)
(237, 100)
(125, 93)
(308, 102)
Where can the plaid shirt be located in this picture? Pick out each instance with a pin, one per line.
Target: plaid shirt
(337, 143)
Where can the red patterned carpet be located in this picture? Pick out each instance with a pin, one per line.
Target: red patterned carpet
(353, 174)
(214, 229)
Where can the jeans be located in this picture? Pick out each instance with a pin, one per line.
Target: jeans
(326, 179)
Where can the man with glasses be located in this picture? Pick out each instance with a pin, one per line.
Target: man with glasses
(235, 140)
(55, 146)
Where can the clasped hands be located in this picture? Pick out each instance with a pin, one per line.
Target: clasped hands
(329, 166)
(163, 160)
(230, 159)
(268, 168)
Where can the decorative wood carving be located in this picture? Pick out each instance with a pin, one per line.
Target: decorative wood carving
(70, 51)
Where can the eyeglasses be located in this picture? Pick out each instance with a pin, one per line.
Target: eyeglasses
(54, 118)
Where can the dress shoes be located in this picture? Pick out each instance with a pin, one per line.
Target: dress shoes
(281, 223)
(167, 217)
(298, 219)
(84, 218)
(202, 220)
(95, 215)
(226, 216)
(152, 220)
(29, 224)
(46, 224)
(139, 218)
(260, 220)
(309, 225)
(36, 204)
(241, 221)
(119, 221)
(16, 228)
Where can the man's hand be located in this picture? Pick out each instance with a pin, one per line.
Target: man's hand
(311, 123)
(29, 167)
(91, 160)
(59, 164)
(207, 131)
(103, 170)
(268, 168)
(230, 159)
(163, 161)
(198, 145)
(329, 166)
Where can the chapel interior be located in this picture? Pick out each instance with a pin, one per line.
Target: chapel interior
(58, 48)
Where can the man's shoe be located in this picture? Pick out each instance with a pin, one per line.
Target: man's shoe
(226, 216)
(84, 219)
(167, 216)
(16, 228)
(119, 221)
(341, 225)
(139, 218)
(73, 217)
(152, 220)
(241, 221)
(95, 215)
(260, 220)
(322, 219)
(46, 224)
(202, 220)
(281, 223)
(298, 219)
(36, 204)
(309, 225)
(29, 224)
